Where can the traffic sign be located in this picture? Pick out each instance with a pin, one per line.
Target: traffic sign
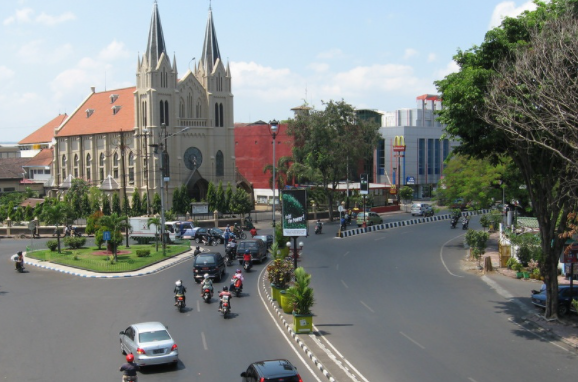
(106, 236)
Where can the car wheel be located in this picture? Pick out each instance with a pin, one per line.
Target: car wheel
(562, 310)
(215, 243)
(197, 240)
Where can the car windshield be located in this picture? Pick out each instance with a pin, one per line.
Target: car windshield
(158, 335)
(218, 231)
(251, 245)
(204, 259)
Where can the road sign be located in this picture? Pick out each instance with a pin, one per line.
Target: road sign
(106, 236)
(32, 226)
(364, 185)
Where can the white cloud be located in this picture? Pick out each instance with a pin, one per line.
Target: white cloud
(508, 9)
(452, 67)
(6, 73)
(409, 53)
(431, 57)
(318, 67)
(330, 54)
(114, 51)
(25, 16)
(36, 51)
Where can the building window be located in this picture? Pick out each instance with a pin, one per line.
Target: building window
(421, 157)
(115, 166)
(220, 164)
(101, 160)
(430, 156)
(221, 119)
(101, 174)
(88, 174)
(437, 156)
(217, 114)
(131, 168)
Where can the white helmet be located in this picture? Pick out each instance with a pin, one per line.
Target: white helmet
(178, 283)
(206, 276)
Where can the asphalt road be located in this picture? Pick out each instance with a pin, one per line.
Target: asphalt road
(58, 327)
(398, 307)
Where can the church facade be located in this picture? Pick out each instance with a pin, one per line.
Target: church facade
(165, 130)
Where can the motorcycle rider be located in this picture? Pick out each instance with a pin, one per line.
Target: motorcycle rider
(179, 290)
(197, 251)
(19, 261)
(247, 258)
(225, 292)
(253, 232)
(231, 249)
(129, 369)
(237, 276)
(207, 283)
(318, 225)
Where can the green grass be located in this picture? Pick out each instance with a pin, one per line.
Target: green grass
(84, 258)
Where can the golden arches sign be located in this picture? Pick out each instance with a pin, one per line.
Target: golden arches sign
(398, 143)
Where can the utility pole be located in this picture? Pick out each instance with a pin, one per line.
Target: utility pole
(123, 177)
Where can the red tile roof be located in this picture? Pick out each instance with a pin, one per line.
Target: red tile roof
(45, 133)
(43, 158)
(102, 118)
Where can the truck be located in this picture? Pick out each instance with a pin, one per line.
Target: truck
(143, 234)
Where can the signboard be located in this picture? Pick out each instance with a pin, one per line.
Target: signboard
(294, 212)
(393, 189)
(32, 226)
(106, 236)
(410, 180)
(200, 208)
(398, 143)
(363, 185)
(571, 253)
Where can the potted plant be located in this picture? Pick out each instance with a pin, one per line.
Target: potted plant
(301, 295)
(518, 268)
(279, 273)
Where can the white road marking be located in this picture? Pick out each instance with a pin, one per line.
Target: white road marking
(339, 354)
(367, 306)
(344, 284)
(336, 267)
(346, 253)
(204, 341)
(382, 238)
(198, 306)
(539, 336)
(442, 257)
(412, 340)
(471, 379)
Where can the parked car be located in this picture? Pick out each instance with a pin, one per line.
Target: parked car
(267, 239)
(150, 343)
(216, 233)
(257, 247)
(212, 263)
(421, 209)
(564, 299)
(275, 370)
(370, 218)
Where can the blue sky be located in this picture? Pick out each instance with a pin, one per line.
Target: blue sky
(376, 54)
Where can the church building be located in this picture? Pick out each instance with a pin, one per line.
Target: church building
(116, 138)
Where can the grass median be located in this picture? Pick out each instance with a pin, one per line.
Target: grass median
(98, 260)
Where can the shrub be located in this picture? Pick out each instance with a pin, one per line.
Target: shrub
(143, 252)
(280, 272)
(52, 245)
(518, 267)
(301, 293)
(74, 242)
(511, 262)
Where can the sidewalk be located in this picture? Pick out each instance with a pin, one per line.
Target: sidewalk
(565, 328)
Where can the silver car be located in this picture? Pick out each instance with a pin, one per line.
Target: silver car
(150, 343)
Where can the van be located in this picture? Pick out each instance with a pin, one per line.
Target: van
(257, 247)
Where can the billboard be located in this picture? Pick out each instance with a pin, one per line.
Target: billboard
(294, 210)
(363, 184)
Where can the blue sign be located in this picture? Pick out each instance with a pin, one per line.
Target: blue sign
(106, 236)
(410, 180)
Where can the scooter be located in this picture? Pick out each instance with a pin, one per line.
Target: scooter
(19, 267)
(465, 223)
(454, 222)
(318, 228)
(207, 295)
(247, 265)
(226, 307)
(180, 303)
(230, 254)
(236, 287)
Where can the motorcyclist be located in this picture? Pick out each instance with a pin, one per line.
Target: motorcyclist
(237, 276)
(231, 249)
(247, 258)
(129, 369)
(207, 283)
(179, 290)
(253, 232)
(197, 251)
(225, 292)
(227, 235)
(343, 222)
(319, 225)
(19, 260)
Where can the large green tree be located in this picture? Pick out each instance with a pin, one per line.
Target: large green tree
(485, 133)
(326, 139)
(56, 214)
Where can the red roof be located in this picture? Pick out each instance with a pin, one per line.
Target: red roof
(429, 97)
(43, 158)
(45, 133)
(102, 113)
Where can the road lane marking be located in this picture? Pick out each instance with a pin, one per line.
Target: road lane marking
(442, 257)
(344, 284)
(367, 306)
(339, 354)
(412, 340)
(382, 238)
(334, 358)
(204, 341)
(346, 253)
(539, 336)
(198, 306)
(336, 267)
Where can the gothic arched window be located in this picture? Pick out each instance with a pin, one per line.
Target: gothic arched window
(220, 162)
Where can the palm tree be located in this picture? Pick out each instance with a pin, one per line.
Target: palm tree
(157, 222)
(56, 214)
(283, 165)
(115, 224)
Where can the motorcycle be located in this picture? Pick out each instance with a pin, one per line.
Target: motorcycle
(247, 265)
(318, 228)
(238, 232)
(226, 307)
(236, 287)
(180, 303)
(207, 295)
(454, 222)
(230, 253)
(19, 267)
(465, 223)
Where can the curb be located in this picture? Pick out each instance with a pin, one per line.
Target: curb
(295, 336)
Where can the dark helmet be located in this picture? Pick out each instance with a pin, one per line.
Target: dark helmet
(247, 251)
(129, 357)
(19, 253)
(199, 248)
(225, 289)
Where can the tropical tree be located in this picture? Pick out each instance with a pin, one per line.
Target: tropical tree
(116, 204)
(241, 203)
(220, 198)
(157, 222)
(325, 139)
(136, 204)
(211, 197)
(95, 197)
(57, 215)
(281, 173)
(115, 224)
(228, 197)
(144, 204)
(105, 204)
(177, 200)
(472, 113)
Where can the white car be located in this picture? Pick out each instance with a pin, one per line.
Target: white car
(421, 209)
(150, 343)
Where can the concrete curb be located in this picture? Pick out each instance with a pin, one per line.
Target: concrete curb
(295, 336)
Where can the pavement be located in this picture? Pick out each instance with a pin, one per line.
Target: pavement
(564, 329)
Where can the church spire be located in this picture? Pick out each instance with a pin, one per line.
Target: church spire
(210, 47)
(156, 41)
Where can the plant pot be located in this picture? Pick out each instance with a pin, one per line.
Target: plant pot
(302, 323)
(286, 304)
(519, 275)
(275, 293)
(526, 275)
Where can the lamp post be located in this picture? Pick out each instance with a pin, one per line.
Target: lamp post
(274, 127)
(295, 249)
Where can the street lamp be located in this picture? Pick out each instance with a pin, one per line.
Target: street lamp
(295, 249)
(274, 127)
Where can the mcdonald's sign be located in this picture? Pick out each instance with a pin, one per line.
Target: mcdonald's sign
(398, 143)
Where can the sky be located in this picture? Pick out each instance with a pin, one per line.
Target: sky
(373, 54)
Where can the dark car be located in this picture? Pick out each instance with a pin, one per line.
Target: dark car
(211, 263)
(564, 299)
(203, 232)
(268, 239)
(275, 370)
(257, 248)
